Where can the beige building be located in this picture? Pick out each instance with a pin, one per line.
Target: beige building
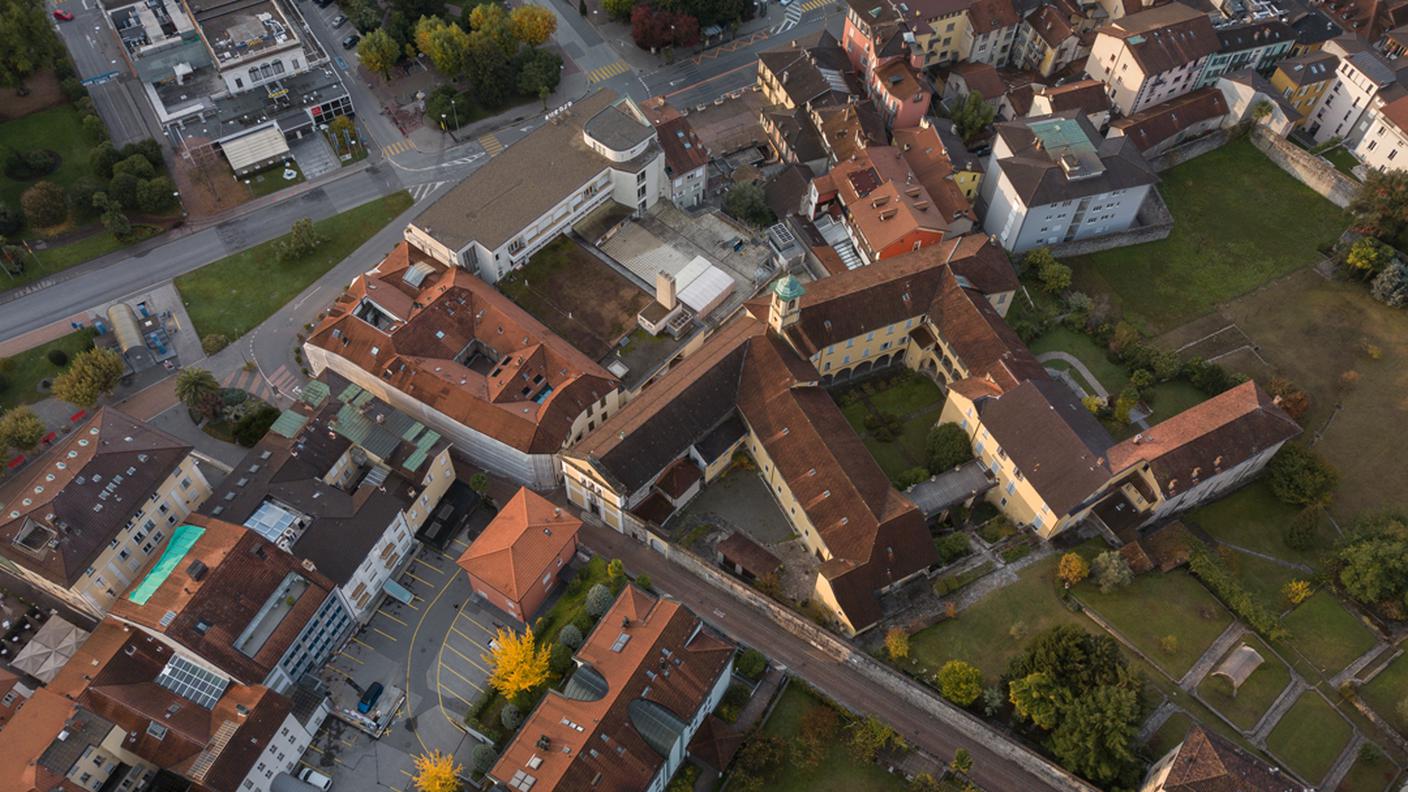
(1152, 56)
(82, 520)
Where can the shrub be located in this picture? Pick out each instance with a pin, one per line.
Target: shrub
(44, 204)
(947, 447)
(1301, 477)
(733, 702)
(1234, 595)
(1072, 569)
(135, 165)
(644, 582)
(1296, 591)
(1111, 571)
(599, 600)
(751, 663)
(11, 221)
(897, 643)
(155, 195)
(883, 426)
(910, 477)
(1294, 400)
(1169, 644)
(952, 547)
(58, 357)
(960, 682)
(510, 717)
(252, 427)
(570, 637)
(213, 342)
(481, 759)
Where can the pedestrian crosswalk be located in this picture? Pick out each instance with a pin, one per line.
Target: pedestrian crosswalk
(282, 381)
(793, 17)
(404, 144)
(607, 72)
(491, 144)
(419, 192)
(812, 5)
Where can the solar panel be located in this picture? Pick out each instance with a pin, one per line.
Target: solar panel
(191, 682)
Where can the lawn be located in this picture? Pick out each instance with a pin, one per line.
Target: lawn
(1342, 160)
(838, 772)
(1239, 221)
(1262, 578)
(1157, 605)
(57, 129)
(1386, 690)
(1169, 735)
(1326, 633)
(24, 371)
(1253, 518)
(914, 398)
(233, 295)
(1257, 693)
(1371, 772)
(271, 179)
(1062, 339)
(576, 296)
(1309, 737)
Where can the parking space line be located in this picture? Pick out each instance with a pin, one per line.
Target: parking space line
(332, 667)
(469, 703)
(405, 773)
(414, 576)
(427, 563)
(467, 658)
(392, 618)
(442, 555)
(460, 544)
(466, 679)
(364, 643)
(345, 656)
(475, 622)
(456, 631)
(385, 634)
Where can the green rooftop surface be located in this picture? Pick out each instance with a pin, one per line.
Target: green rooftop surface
(182, 540)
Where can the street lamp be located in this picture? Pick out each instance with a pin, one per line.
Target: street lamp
(455, 109)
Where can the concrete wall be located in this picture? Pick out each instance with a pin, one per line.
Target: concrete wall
(1308, 169)
(1189, 149)
(1154, 222)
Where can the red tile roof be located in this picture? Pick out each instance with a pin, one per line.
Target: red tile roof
(25, 738)
(1165, 37)
(422, 352)
(520, 543)
(981, 78)
(1152, 126)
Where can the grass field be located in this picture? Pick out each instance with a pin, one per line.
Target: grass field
(1262, 578)
(271, 179)
(1386, 690)
(1168, 735)
(57, 129)
(1326, 633)
(1061, 339)
(1239, 221)
(1253, 518)
(838, 772)
(576, 296)
(24, 371)
(233, 295)
(1372, 772)
(1157, 605)
(914, 398)
(1255, 695)
(1309, 737)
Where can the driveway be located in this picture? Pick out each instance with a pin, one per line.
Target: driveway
(314, 156)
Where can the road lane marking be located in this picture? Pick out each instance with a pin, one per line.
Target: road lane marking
(607, 72)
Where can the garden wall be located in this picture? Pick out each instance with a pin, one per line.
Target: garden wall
(1193, 148)
(1154, 223)
(898, 684)
(1312, 171)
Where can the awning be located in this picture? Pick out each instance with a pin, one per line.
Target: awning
(256, 148)
(49, 649)
(397, 591)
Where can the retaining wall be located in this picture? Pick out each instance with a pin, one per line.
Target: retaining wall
(1308, 169)
(1154, 223)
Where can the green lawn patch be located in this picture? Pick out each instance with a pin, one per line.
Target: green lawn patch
(1239, 221)
(995, 530)
(1309, 737)
(1169, 735)
(1062, 339)
(1262, 578)
(1253, 518)
(23, 372)
(913, 398)
(1342, 160)
(1157, 605)
(233, 295)
(1256, 694)
(1168, 399)
(57, 129)
(838, 772)
(1326, 633)
(1371, 772)
(909, 394)
(1386, 690)
(271, 179)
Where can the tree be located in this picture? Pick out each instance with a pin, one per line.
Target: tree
(135, 165)
(1294, 400)
(1111, 571)
(539, 70)
(92, 375)
(1035, 698)
(897, 643)
(437, 772)
(818, 730)
(114, 219)
(1055, 277)
(303, 238)
(44, 205)
(1296, 591)
(1380, 207)
(1072, 569)
(962, 762)
(481, 759)
(972, 116)
(532, 24)
(1301, 477)
(1368, 255)
(947, 447)
(27, 44)
(155, 195)
(582, 7)
(510, 716)
(254, 424)
(489, 68)
(1098, 735)
(869, 736)
(198, 390)
(762, 754)
(446, 44)
(11, 221)
(925, 782)
(960, 682)
(122, 188)
(1073, 658)
(599, 600)
(517, 664)
(751, 663)
(746, 202)
(570, 637)
(619, 10)
(20, 428)
(378, 51)
(102, 158)
(1372, 564)
(1390, 287)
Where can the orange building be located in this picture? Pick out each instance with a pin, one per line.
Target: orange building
(515, 563)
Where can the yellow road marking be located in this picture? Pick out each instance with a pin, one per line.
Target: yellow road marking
(414, 576)
(467, 702)
(346, 656)
(363, 643)
(385, 634)
(392, 618)
(466, 679)
(339, 670)
(427, 563)
(608, 71)
(410, 646)
(475, 622)
(467, 658)
(456, 631)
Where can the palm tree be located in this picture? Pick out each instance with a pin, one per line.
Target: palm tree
(198, 390)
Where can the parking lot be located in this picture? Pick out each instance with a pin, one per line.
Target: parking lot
(432, 649)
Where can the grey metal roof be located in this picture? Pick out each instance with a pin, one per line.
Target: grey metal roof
(950, 488)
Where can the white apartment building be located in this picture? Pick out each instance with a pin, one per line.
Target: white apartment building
(1385, 141)
(1359, 77)
(1152, 56)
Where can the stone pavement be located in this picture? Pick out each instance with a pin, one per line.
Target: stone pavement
(1219, 648)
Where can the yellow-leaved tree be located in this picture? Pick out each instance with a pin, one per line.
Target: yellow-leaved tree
(437, 772)
(517, 663)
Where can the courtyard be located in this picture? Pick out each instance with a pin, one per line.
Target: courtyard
(893, 413)
(577, 296)
(1239, 222)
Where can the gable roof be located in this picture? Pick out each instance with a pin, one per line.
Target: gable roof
(1165, 37)
(520, 543)
(1087, 96)
(1152, 126)
(812, 74)
(1206, 762)
(981, 78)
(1308, 69)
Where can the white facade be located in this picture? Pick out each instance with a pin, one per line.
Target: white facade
(993, 47)
(687, 190)
(283, 751)
(1214, 487)
(1383, 144)
(677, 751)
(361, 593)
(1340, 112)
(1130, 89)
(241, 77)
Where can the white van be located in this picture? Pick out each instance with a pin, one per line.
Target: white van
(311, 776)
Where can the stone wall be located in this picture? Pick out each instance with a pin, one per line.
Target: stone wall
(1189, 149)
(895, 682)
(1308, 169)
(1154, 222)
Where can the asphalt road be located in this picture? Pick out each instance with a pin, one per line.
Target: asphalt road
(750, 626)
(97, 54)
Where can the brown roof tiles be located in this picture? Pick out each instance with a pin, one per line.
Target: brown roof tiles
(520, 543)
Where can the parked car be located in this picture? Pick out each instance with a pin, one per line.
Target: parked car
(311, 776)
(351, 41)
(322, 3)
(369, 698)
(62, 15)
(339, 20)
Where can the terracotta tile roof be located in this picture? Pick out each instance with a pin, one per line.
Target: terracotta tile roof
(1165, 37)
(679, 477)
(520, 543)
(1308, 69)
(716, 743)
(683, 150)
(981, 78)
(1052, 25)
(1397, 113)
(1208, 763)
(81, 493)
(985, 16)
(1152, 126)
(978, 336)
(25, 738)
(428, 335)
(643, 650)
(210, 608)
(812, 73)
(847, 129)
(898, 79)
(924, 151)
(1208, 438)
(884, 201)
(755, 559)
(1087, 96)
